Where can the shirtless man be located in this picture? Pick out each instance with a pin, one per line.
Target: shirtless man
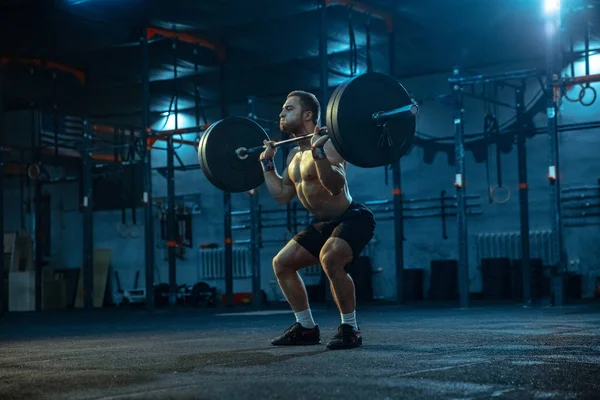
(340, 230)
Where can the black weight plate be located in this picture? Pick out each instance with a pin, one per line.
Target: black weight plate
(331, 112)
(351, 124)
(217, 158)
(200, 146)
(337, 142)
(331, 106)
(201, 160)
(223, 168)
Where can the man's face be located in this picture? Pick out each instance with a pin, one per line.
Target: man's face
(291, 118)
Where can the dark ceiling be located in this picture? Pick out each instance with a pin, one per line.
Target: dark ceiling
(271, 46)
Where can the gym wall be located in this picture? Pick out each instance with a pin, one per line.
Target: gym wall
(580, 165)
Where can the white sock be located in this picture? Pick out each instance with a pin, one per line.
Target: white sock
(350, 319)
(305, 318)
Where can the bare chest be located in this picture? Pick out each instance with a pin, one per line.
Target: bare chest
(302, 168)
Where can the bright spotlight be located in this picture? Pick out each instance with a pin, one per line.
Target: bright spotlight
(551, 6)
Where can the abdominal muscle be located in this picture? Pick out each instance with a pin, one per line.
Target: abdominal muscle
(311, 193)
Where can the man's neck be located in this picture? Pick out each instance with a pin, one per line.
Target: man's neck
(305, 144)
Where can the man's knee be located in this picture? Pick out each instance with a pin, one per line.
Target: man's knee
(334, 259)
(327, 259)
(282, 265)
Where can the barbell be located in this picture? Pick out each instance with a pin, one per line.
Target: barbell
(371, 121)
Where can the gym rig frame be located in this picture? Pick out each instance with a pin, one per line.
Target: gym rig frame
(553, 86)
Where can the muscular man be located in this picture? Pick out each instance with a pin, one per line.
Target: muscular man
(340, 230)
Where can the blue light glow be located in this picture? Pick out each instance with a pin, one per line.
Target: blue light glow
(168, 121)
(551, 6)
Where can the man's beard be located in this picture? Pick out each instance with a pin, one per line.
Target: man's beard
(291, 129)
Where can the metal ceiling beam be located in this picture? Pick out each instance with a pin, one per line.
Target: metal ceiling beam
(386, 17)
(218, 48)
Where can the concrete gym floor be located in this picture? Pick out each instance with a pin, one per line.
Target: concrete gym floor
(499, 352)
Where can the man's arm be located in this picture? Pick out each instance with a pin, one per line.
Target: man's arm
(331, 169)
(281, 188)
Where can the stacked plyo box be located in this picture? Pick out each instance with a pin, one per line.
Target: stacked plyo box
(19, 261)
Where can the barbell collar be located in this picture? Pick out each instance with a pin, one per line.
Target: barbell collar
(243, 153)
(381, 117)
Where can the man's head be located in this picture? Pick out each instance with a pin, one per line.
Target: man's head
(300, 113)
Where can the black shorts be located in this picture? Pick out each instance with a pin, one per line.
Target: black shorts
(356, 226)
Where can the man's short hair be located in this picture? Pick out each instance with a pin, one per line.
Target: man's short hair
(309, 102)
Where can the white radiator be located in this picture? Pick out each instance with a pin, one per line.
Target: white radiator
(212, 263)
(508, 244)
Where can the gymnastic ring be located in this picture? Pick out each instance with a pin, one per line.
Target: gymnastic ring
(122, 229)
(494, 194)
(135, 231)
(582, 96)
(33, 171)
(565, 92)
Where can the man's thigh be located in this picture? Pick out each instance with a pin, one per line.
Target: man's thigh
(310, 240)
(294, 256)
(357, 232)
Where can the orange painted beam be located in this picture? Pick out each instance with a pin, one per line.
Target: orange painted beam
(161, 133)
(78, 74)
(15, 169)
(103, 129)
(111, 130)
(386, 17)
(158, 135)
(577, 80)
(172, 132)
(186, 37)
(107, 157)
(162, 139)
(569, 82)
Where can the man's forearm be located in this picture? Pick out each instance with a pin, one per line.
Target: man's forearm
(274, 182)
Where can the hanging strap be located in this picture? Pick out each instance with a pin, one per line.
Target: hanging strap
(489, 121)
(199, 111)
(368, 31)
(496, 133)
(55, 113)
(132, 167)
(353, 48)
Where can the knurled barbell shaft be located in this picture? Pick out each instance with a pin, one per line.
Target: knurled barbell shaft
(380, 117)
(242, 152)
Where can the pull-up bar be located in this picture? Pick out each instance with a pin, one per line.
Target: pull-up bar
(557, 82)
(158, 135)
(180, 131)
